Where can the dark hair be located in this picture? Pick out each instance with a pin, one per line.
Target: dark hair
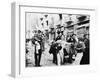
(80, 39)
(27, 50)
(73, 34)
(85, 35)
(39, 31)
(27, 40)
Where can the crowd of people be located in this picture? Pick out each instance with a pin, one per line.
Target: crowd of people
(65, 50)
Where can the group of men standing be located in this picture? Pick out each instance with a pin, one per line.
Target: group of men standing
(77, 49)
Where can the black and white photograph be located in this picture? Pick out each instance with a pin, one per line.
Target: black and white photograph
(56, 39)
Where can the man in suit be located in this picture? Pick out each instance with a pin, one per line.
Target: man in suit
(53, 52)
(38, 42)
(86, 55)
